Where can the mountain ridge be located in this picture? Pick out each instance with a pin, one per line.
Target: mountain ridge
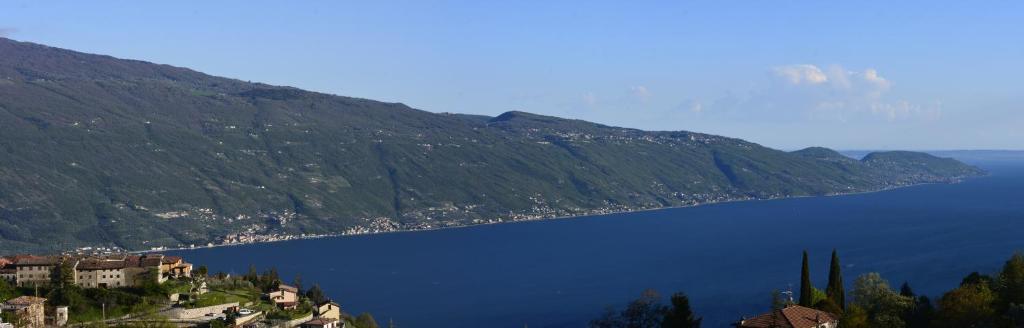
(109, 152)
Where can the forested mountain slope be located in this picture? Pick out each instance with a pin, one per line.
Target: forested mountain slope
(104, 151)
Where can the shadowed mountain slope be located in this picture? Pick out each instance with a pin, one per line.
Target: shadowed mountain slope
(105, 151)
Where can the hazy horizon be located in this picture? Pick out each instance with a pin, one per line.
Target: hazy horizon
(868, 75)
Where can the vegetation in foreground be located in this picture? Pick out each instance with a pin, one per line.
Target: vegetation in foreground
(980, 301)
(141, 306)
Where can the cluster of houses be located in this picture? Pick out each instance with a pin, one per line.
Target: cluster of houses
(326, 315)
(106, 271)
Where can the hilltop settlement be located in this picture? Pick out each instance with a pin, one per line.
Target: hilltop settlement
(156, 290)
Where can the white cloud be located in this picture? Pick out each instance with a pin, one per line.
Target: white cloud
(800, 74)
(640, 92)
(832, 93)
(697, 107)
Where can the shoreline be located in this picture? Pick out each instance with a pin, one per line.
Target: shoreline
(569, 217)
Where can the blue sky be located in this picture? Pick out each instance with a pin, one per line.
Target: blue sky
(786, 74)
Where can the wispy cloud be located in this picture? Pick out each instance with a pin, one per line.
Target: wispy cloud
(801, 74)
(640, 93)
(830, 93)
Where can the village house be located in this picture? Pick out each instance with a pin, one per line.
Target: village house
(793, 316)
(285, 297)
(323, 323)
(328, 310)
(137, 267)
(34, 270)
(29, 310)
(101, 273)
(175, 267)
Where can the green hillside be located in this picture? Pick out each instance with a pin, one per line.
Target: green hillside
(104, 151)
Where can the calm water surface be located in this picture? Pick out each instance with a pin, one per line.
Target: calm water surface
(727, 257)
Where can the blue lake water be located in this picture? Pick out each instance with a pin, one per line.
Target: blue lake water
(727, 257)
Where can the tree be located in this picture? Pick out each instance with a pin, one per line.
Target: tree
(806, 289)
(148, 281)
(905, 290)
(922, 314)
(817, 295)
(966, 306)
(1010, 283)
(62, 274)
(364, 320)
(15, 318)
(827, 305)
(201, 271)
(252, 276)
(835, 290)
(7, 291)
(608, 319)
(976, 278)
(884, 307)
(680, 315)
(854, 317)
(297, 282)
(316, 295)
(644, 312)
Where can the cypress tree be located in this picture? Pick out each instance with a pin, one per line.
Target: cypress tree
(806, 290)
(680, 315)
(835, 290)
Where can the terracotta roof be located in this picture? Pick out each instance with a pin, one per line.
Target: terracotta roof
(794, 316)
(25, 300)
(95, 264)
(148, 260)
(288, 288)
(171, 259)
(36, 260)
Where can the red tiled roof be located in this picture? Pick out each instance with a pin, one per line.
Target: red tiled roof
(36, 260)
(794, 316)
(148, 260)
(94, 264)
(171, 259)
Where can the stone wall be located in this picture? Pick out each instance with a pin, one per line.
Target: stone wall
(183, 313)
(297, 322)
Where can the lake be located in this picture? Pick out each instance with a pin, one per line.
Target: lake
(727, 257)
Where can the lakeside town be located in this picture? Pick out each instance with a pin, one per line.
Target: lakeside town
(440, 218)
(156, 290)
